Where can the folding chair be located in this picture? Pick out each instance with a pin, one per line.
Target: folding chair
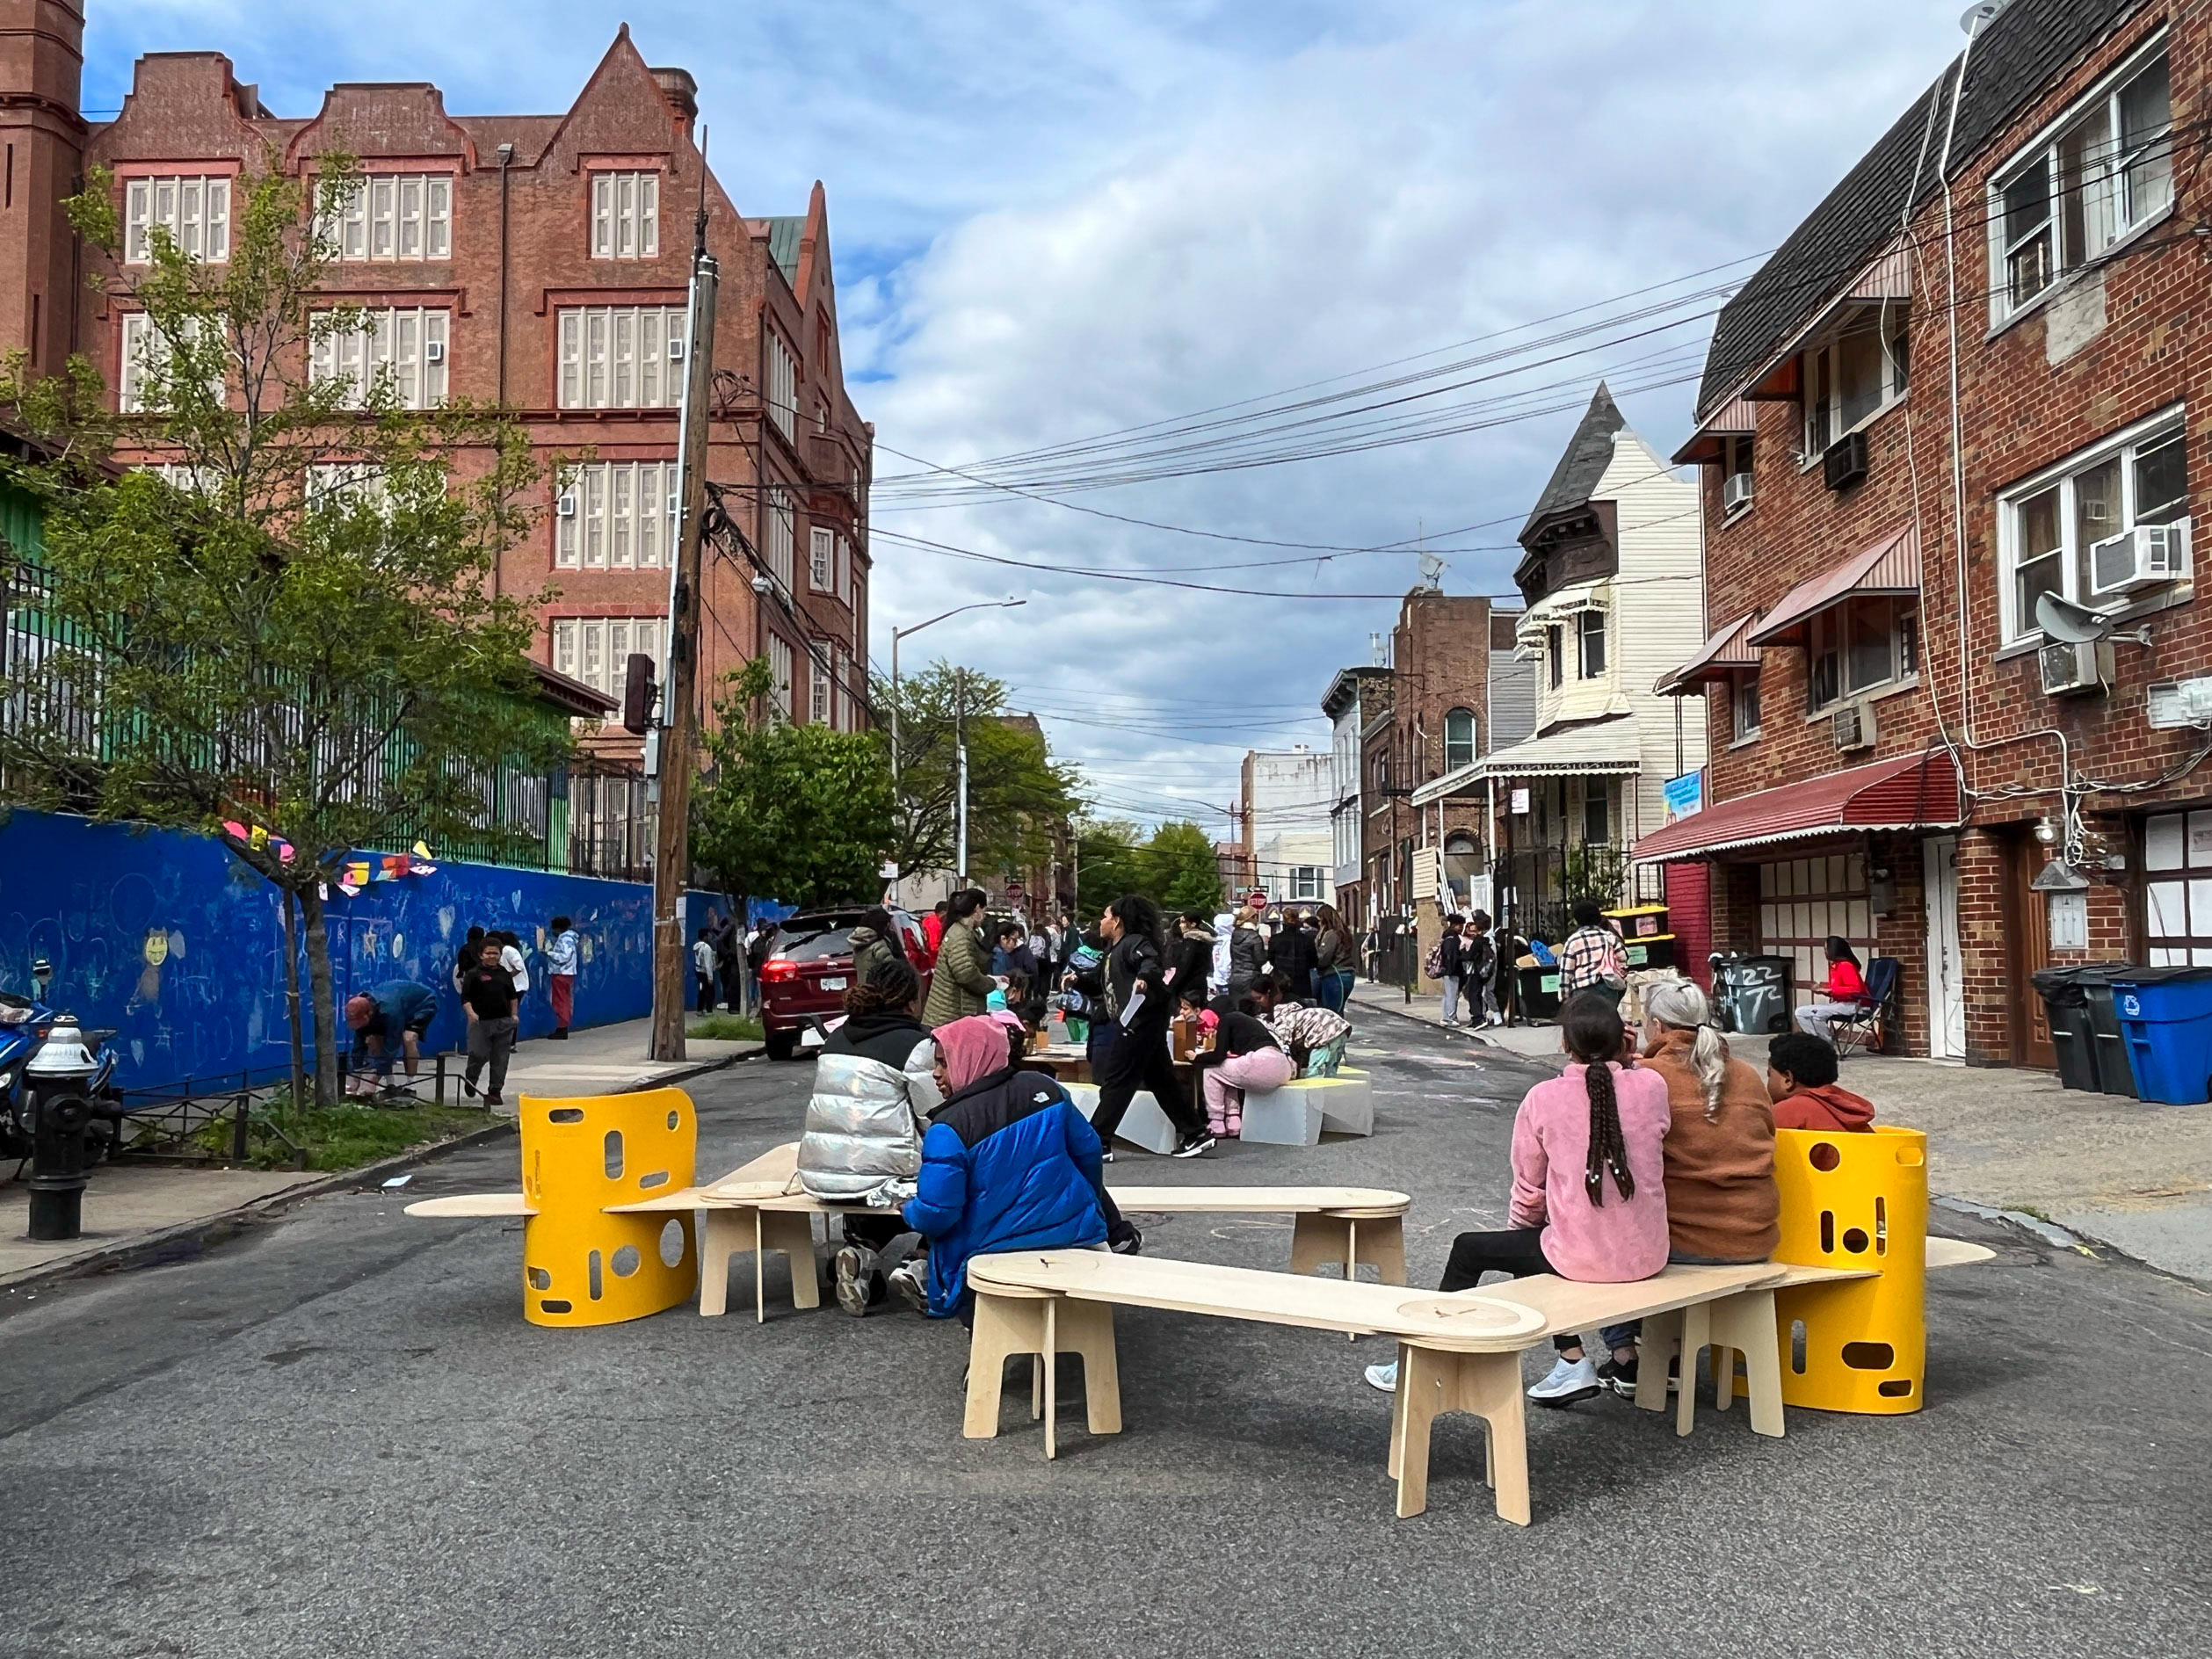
(1868, 1030)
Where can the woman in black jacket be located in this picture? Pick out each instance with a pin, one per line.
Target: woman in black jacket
(1141, 1001)
(1293, 954)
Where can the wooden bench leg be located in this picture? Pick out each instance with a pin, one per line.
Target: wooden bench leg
(726, 1233)
(1486, 1386)
(1087, 1329)
(1004, 1326)
(1490, 1387)
(1318, 1239)
(1382, 1239)
(1697, 1335)
(1662, 1335)
(1397, 1414)
(1745, 1323)
(1422, 1388)
(792, 1231)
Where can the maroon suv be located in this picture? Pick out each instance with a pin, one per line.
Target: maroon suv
(804, 979)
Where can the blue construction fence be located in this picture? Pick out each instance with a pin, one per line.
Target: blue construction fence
(170, 941)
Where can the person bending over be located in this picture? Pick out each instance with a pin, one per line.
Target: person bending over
(1008, 1163)
(396, 1014)
(1245, 1055)
(1315, 1037)
(1800, 1076)
(1589, 1199)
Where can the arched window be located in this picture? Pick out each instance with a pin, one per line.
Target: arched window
(1459, 844)
(1458, 739)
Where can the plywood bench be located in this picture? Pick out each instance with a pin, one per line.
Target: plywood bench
(1458, 1352)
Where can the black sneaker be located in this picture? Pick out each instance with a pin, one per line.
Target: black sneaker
(469, 1088)
(1197, 1144)
(1106, 1154)
(1619, 1377)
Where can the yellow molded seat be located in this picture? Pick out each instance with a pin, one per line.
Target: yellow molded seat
(580, 1265)
(1856, 1201)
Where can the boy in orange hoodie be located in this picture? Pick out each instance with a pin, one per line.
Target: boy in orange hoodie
(1800, 1075)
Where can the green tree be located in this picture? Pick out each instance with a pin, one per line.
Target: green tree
(292, 630)
(1107, 863)
(1178, 867)
(1015, 793)
(797, 812)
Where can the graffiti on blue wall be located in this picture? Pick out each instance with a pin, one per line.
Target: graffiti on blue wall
(178, 948)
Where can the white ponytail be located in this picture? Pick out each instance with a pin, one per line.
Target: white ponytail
(1678, 1005)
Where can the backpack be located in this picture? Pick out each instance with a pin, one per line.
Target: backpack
(1432, 964)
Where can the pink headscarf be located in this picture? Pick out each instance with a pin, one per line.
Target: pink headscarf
(973, 1049)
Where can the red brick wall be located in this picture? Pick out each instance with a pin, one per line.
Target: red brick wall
(2020, 412)
(186, 108)
(42, 138)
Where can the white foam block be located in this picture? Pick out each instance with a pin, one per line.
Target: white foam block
(1142, 1125)
(1289, 1116)
(1348, 1103)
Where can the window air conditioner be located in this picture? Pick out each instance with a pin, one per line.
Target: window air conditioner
(1736, 492)
(1844, 462)
(433, 350)
(2139, 558)
(1851, 727)
(564, 505)
(2069, 670)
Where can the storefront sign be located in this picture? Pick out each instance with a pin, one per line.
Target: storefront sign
(1684, 796)
(1521, 803)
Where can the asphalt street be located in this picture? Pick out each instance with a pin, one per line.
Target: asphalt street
(335, 1437)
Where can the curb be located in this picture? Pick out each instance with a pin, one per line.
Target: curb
(187, 1239)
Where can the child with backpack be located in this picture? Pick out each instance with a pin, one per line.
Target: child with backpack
(1589, 1201)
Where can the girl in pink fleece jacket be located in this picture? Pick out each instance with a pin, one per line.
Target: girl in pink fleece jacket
(1589, 1186)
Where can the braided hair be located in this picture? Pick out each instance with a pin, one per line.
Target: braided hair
(892, 984)
(1592, 1026)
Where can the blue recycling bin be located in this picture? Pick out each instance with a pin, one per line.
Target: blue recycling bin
(2165, 1016)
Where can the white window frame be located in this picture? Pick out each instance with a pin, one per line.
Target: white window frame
(1742, 685)
(783, 386)
(193, 207)
(1305, 882)
(1470, 744)
(2109, 182)
(1826, 634)
(779, 674)
(819, 698)
(617, 357)
(847, 715)
(342, 484)
(1584, 634)
(396, 338)
(392, 218)
(1890, 322)
(596, 649)
(626, 215)
(845, 569)
(1735, 463)
(2126, 444)
(780, 536)
(822, 559)
(615, 515)
(144, 346)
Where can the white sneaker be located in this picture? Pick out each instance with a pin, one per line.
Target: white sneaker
(1568, 1381)
(1383, 1377)
(855, 1266)
(908, 1283)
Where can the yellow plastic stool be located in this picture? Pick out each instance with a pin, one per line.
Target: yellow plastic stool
(580, 1265)
(1858, 1201)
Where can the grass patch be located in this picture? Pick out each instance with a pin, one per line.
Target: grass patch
(726, 1028)
(282, 1136)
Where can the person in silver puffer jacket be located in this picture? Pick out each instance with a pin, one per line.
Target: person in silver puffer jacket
(873, 1091)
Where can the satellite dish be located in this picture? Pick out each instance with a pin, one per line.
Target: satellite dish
(1431, 570)
(2060, 619)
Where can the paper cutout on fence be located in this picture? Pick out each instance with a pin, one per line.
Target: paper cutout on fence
(257, 838)
(422, 851)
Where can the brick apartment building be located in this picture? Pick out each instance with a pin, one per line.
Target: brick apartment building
(1901, 754)
(537, 261)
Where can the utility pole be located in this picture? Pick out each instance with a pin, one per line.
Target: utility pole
(960, 737)
(680, 694)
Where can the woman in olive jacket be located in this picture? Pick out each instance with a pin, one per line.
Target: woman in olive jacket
(963, 982)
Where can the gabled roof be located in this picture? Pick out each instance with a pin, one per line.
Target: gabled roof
(1588, 455)
(2014, 59)
(785, 232)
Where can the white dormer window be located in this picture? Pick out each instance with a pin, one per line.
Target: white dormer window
(2094, 180)
(1590, 638)
(626, 215)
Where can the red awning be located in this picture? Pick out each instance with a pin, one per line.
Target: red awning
(1913, 791)
(1719, 656)
(1892, 565)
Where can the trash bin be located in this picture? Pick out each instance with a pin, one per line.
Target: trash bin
(1753, 993)
(2066, 1007)
(2165, 1016)
(2115, 1075)
(1538, 993)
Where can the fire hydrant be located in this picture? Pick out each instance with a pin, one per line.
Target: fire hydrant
(60, 1112)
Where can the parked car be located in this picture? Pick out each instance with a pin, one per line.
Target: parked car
(803, 982)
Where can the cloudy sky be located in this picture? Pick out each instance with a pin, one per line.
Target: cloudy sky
(1055, 221)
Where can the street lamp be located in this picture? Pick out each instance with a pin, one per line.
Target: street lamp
(896, 636)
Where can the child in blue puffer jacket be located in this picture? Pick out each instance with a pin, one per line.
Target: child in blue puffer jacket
(1008, 1163)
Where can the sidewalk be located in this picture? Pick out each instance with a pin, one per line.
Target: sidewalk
(2137, 1178)
(132, 1209)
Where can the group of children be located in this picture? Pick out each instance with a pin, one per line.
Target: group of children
(1634, 1158)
